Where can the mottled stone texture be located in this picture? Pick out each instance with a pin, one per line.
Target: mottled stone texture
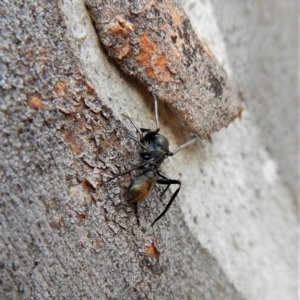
(63, 234)
(154, 41)
(263, 36)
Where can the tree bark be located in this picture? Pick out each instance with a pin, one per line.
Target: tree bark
(65, 235)
(155, 42)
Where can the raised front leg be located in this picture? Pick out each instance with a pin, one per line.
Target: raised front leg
(193, 140)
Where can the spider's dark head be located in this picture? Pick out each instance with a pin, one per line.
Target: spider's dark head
(158, 146)
(162, 143)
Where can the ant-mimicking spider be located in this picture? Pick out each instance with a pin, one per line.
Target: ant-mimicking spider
(155, 149)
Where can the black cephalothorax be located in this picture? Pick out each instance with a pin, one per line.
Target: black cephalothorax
(154, 150)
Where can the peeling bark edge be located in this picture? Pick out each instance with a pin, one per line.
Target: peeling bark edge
(154, 42)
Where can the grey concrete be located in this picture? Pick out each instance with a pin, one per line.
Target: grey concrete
(257, 42)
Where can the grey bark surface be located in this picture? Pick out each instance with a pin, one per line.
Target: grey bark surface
(65, 235)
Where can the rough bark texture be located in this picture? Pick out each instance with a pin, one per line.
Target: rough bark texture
(230, 235)
(154, 41)
(64, 235)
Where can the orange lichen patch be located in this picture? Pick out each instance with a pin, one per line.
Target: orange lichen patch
(174, 14)
(70, 139)
(110, 144)
(42, 57)
(143, 58)
(34, 101)
(152, 251)
(118, 30)
(150, 72)
(75, 148)
(122, 28)
(81, 217)
(97, 243)
(60, 87)
(146, 48)
(166, 76)
(125, 24)
(87, 185)
(160, 62)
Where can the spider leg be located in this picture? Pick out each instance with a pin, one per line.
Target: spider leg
(138, 142)
(165, 177)
(193, 140)
(168, 182)
(134, 124)
(165, 190)
(130, 170)
(149, 133)
(155, 110)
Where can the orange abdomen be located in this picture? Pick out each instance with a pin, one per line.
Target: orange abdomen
(140, 187)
